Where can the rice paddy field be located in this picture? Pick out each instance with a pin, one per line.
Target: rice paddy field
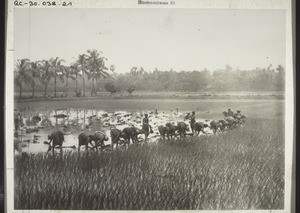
(240, 169)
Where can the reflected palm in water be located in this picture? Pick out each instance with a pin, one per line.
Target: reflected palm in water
(33, 135)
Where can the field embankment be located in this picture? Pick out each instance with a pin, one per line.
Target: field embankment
(27, 96)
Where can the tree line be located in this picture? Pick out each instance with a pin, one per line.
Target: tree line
(39, 75)
(90, 73)
(227, 79)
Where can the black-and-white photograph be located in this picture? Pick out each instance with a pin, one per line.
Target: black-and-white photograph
(149, 109)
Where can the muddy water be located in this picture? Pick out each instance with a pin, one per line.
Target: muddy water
(75, 121)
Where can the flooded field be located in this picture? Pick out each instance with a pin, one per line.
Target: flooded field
(72, 122)
(71, 117)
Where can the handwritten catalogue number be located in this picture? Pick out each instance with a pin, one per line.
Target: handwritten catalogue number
(44, 3)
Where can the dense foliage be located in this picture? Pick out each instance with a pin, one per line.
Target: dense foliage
(89, 73)
(228, 79)
(111, 87)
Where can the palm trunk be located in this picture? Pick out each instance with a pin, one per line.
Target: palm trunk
(83, 85)
(76, 84)
(67, 87)
(84, 119)
(46, 85)
(33, 89)
(96, 85)
(93, 86)
(55, 86)
(20, 90)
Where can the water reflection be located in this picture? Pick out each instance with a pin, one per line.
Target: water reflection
(35, 126)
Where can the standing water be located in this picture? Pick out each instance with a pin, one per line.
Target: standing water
(33, 135)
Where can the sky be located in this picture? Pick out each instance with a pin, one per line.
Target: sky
(181, 39)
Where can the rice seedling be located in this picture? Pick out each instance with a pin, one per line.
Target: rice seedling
(242, 169)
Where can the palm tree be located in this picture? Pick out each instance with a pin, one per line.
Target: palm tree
(34, 72)
(102, 72)
(61, 74)
(68, 73)
(56, 68)
(96, 65)
(46, 74)
(90, 76)
(74, 73)
(82, 67)
(93, 64)
(22, 74)
(112, 68)
(102, 69)
(133, 71)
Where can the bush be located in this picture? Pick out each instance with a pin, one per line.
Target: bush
(131, 89)
(110, 87)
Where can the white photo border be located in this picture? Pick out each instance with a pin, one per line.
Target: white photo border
(184, 4)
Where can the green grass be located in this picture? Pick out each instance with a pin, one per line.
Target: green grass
(243, 169)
